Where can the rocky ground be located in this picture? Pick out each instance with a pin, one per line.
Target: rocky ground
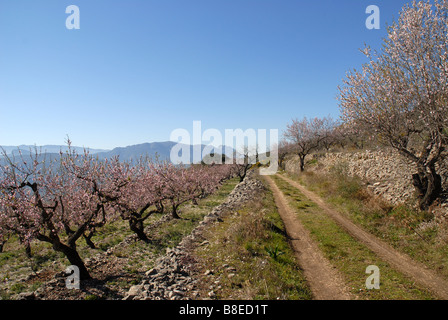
(175, 275)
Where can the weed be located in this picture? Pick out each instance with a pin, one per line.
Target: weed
(274, 252)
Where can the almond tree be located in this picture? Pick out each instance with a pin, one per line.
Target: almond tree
(209, 178)
(141, 195)
(42, 201)
(101, 179)
(305, 136)
(133, 191)
(222, 172)
(177, 185)
(348, 134)
(401, 94)
(329, 133)
(204, 181)
(284, 148)
(180, 184)
(243, 163)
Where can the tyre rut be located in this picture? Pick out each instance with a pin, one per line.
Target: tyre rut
(324, 280)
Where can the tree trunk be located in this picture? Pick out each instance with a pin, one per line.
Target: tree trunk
(139, 229)
(280, 163)
(174, 214)
(89, 241)
(28, 250)
(174, 211)
(302, 163)
(428, 184)
(74, 258)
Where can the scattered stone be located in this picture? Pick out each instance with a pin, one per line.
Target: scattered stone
(134, 290)
(172, 278)
(26, 296)
(151, 272)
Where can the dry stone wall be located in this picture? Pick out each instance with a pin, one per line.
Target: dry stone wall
(386, 173)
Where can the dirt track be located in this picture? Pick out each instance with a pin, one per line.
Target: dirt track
(403, 263)
(324, 280)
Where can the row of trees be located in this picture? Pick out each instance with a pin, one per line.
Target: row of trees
(60, 201)
(398, 99)
(306, 136)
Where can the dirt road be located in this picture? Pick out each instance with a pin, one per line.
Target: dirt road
(324, 280)
(403, 263)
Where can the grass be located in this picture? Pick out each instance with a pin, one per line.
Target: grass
(252, 258)
(406, 229)
(349, 256)
(14, 265)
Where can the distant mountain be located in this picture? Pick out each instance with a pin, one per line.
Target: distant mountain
(27, 149)
(159, 150)
(134, 152)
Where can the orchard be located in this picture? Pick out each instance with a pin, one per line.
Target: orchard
(60, 201)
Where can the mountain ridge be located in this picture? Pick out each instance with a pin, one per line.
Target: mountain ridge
(154, 150)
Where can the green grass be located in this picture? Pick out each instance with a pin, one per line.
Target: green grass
(252, 240)
(348, 255)
(399, 225)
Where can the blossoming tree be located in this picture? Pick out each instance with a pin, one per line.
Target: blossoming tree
(305, 135)
(62, 200)
(401, 94)
(40, 200)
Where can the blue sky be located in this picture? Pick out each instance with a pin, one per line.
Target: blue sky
(137, 70)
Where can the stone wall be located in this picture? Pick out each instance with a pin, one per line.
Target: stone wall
(385, 172)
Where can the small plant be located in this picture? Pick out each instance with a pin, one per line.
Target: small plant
(274, 252)
(18, 288)
(4, 295)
